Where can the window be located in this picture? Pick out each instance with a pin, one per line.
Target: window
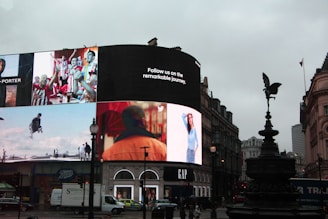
(326, 148)
(123, 192)
(325, 110)
(124, 175)
(149, 175)
(109, 200)
(216, 137)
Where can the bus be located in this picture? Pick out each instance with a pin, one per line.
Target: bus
(312, 191)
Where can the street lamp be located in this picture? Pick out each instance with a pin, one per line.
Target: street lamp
(144, 182)
(213, 152)
(93, 130)
(223, 182)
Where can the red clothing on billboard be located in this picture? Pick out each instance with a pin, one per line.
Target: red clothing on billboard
(41, 95)
(130, 148)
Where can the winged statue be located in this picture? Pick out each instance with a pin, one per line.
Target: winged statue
(270, 89)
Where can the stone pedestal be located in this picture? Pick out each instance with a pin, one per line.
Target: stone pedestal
(269, 194)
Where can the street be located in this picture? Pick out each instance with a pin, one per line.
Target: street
(205, 214)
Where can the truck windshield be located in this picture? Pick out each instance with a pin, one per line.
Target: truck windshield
(110, 200)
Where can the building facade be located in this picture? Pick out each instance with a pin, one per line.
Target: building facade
(219, 131)
(298, 140)
(314, 118)
(251, 148)
(298, 145)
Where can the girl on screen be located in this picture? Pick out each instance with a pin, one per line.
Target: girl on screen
(192, 137)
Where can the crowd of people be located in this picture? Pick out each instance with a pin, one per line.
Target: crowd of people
(71, 79)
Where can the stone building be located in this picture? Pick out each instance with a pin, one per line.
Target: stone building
(251, 148)
(219, 131)
(314, 118)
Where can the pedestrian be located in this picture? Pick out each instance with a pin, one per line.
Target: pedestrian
(197, 212)
(191, 212)
(182, 211)
(223, 202)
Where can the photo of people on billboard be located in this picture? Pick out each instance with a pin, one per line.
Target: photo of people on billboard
(184, 136)
(65, 76)
(127, 127)
(168, 132)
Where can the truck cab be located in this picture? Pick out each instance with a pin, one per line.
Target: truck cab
(111, 204)
(56, 198)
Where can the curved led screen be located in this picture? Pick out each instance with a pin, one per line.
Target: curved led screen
(48, 101)
(150, 74)
(167, 132)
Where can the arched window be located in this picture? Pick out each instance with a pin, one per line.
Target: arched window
(124, 174)
(196, 177)
(149, 175)
(204, 177)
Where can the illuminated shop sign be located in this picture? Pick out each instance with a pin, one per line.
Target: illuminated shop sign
(178, 174)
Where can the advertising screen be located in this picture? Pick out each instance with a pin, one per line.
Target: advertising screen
(15, 80)
(64, 128)
(150, 74)
(168, 132)
(49, 99)
(66, 76)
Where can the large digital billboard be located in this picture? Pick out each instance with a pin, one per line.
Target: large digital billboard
(50, 98)
(148, 73)
(175, 127)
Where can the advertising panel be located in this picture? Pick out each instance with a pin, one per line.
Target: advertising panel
(15, 80)
(50, 98)
(66, 76)
(310, 191)
(131, 72)
(64, 128)
(170, 132)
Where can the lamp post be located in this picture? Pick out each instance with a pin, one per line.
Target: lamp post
(20, 184)
(213, 152)
(223, 182)
(144, 182)
(93, 130)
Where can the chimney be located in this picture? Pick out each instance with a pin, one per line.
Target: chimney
(152, 42)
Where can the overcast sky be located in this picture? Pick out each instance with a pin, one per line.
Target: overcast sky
(234, 40)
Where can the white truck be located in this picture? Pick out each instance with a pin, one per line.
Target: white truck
(71, 195)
